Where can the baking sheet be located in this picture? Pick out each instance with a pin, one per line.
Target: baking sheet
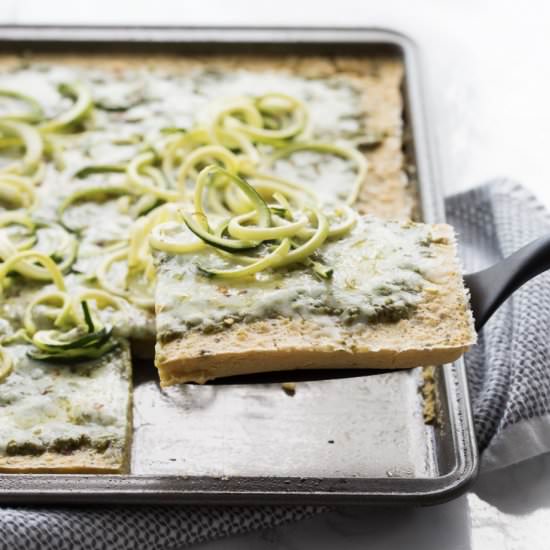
(361, 440)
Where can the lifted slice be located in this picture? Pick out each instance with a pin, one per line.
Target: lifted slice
(395, 300)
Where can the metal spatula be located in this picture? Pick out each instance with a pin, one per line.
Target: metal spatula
(489, 288)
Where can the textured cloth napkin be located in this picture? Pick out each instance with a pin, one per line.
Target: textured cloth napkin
(508, 370)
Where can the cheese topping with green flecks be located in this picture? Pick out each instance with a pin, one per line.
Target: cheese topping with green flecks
(380, 271)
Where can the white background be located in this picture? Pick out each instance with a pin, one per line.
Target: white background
(487, 65)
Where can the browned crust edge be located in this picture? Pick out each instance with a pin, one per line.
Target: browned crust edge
(201, 369)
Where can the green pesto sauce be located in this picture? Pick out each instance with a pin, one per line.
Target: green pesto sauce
(379, 273)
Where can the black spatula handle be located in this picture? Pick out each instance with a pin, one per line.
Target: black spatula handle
(492, 286)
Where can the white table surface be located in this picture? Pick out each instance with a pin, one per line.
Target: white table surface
(488, 74)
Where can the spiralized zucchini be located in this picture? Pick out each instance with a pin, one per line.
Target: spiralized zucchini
(210, 188)
(31, 141)
(274, 259)
(138, 259)
(60, 306)
(6, 364)
(88, 339)
(44, 239)
(46, 270)
(92, 169)
(18, 224)
(121, 287)
(285, 229)
(161, 240)
(269, 118)
(33, 113)
(78, 334)
(146, 178)
(349, 153)
(17, 191)
(81, 108)
(298, 234)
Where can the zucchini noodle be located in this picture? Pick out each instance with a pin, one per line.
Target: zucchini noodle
(80, 109)
(33, 113)
(6, 142)
(31, 140)
(139, 253)
(138, 258)
(101, 298)
(215, 200)
(143, 176)
(236, 200)
(274, 259)
(38, 176)
(77, 333)
(207, 155)
(308, 230)
(63, 312)
(262, 210)
(302, 252)
(249, 157)
(6, 364)
(176, 146)
(198, 224)
(11, 219)
(17, 190)
(286, 229)
(103, 278)
(198, 221)
(64, 253)
(92, 169)
(66, 246)
(267, 185)
(18, 261)
(337, 229)
(251, 117)
(349, 153)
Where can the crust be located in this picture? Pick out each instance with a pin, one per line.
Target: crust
(176, 370)
(86, 461)
(83, 461)
(440, 330)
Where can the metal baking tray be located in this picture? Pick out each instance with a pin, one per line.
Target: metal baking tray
(356, 441)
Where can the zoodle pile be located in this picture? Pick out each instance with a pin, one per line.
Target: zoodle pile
(180, 191)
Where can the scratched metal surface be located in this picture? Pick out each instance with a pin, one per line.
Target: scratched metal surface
(360, 427)
(359, 440)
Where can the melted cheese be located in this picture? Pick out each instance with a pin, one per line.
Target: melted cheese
(51, 407)
(380, 272)
(160, 100)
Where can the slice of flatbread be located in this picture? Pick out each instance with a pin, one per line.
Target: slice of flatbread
(66, 418)
(396, 299)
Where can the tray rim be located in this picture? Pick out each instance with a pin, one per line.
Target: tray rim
(90, 488)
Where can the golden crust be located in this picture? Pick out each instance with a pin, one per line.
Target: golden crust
(84, 461)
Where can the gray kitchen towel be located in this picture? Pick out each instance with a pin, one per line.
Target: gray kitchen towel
(509, 368)
(509, 373)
